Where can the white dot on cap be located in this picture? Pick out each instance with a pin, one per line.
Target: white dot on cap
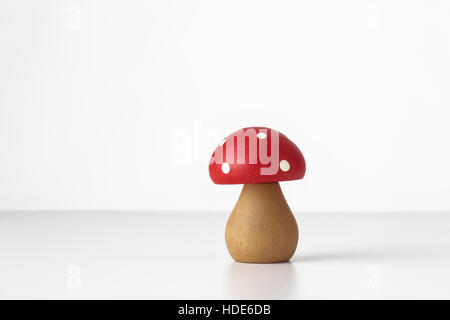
(284, 165)
(261, 135)
(225, 168)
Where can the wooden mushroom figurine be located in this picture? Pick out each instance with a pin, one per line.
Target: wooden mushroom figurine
(261, 227)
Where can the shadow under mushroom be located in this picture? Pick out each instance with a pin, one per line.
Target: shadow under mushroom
(261, 281)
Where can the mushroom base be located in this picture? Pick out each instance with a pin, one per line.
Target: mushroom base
(261, 227)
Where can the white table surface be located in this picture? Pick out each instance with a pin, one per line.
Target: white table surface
(182, 255)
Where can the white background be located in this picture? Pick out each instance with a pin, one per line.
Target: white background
(119, 104)
(126, 255)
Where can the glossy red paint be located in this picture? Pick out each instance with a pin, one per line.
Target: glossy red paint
(256, 155)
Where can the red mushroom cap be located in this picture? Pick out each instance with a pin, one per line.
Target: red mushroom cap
(256, 155)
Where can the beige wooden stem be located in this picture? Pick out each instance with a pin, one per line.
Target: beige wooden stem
(261, 227)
